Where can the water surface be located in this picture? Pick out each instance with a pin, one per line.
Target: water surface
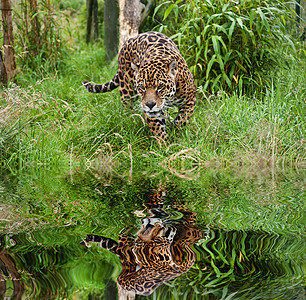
(213, 234)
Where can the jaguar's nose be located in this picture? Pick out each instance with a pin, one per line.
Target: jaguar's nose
(150, 104)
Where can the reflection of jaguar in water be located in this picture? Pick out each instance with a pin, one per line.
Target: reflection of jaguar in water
(160, 252)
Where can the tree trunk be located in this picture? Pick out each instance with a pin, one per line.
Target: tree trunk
(95, 20)
(92, 20)
(148, 11)
(35, 26)
(8, 39)
(110, 29)
(3, 70)
(129, 19)
(89, 4)
(10, 271)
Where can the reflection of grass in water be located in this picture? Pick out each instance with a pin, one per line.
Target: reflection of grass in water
(222, 200)
(255, 231)
(245, 264)
(242, 265)
(53, 263)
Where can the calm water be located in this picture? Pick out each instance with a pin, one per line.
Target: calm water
(204, 234)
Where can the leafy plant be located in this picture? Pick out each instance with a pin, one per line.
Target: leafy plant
(230, 45)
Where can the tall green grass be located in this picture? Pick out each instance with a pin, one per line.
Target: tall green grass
(54, 121)
(42, 34)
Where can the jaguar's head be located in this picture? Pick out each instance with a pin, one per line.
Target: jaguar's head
(155, 83)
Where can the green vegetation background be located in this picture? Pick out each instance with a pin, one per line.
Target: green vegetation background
(239, 164)
(47, 118)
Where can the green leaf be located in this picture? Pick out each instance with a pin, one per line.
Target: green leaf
(196, 26)
(227, 80)
(227, 56)
(224, 8)
(209, 65)
(232, 71)
(251, 33)
(216, 44)
(231, 30)
(217, 282)
(290, 43)
(217, 271)
(157, 8)
(241, 67)
(240, 85)
(205, 88)
(215, 16)
(223, 44)
(283, 19)
(220, 62)
(206, 51)
(168, 11)
(252, 16)
(198, 40)
(263, 18)
(240, 22)
(216, 81)
(220, 28)
(205, 30)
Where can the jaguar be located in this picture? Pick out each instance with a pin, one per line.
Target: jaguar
(161, 251)
(151, 66)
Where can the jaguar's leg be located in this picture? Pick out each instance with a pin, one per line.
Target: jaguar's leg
(127, 97)
(126, 87)
(185, 112)
(102, 88)
(157, 126)
(101, 241)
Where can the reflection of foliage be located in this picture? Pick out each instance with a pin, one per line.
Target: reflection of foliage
(222, 200)
(252, 263)
(244, 264)
(52, 263)
(255, 233)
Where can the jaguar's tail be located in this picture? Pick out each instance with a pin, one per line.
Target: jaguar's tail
(102, 88)
(102, 242)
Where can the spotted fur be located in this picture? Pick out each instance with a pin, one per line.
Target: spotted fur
(151, 66)
(161, 251)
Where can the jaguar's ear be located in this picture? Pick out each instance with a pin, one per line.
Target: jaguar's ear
(135, 68)
(173, 68)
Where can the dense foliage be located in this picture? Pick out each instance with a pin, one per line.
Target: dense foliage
(230, 45)
(48, 118)
(41, 34)
(74, 163)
